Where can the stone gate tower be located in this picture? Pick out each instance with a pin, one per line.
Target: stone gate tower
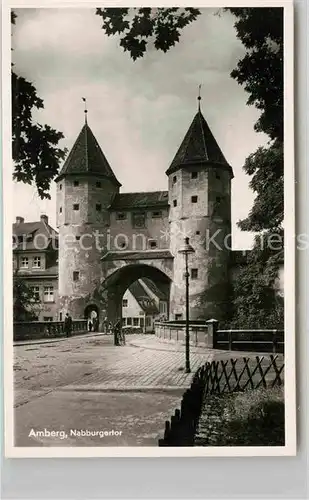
(85, 187)
(199, 185)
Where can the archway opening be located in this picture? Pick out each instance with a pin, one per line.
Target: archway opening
(137, 295)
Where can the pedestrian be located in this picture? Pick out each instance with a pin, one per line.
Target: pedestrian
(117, 333)
(68, 325)
(90, 325)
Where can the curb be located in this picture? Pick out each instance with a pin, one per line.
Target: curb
(53, 340)
(146, 388)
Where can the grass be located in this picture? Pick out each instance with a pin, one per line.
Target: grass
(249, 418)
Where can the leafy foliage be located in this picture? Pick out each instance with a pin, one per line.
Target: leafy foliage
(256, 301)
(261, 70)
(35, 148)
(25, 303)
(251, 418)
(139, 26)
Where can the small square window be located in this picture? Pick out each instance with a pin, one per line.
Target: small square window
(37, 262)
(36, 293)
(75, 275)
(156, 215)
(60, 210)
(125, 303)
(139, 219)
(175, 203)
(153, 244)
(198, 232)
(218, 175)
(174, 179)
(77, 238)
(194, 199)
(121, 216)
(194, 175)
(98, 207)
(76, 206)
(76, 183)
(60, 187)
(49, 294)
(24, 262)
(194, 274)
(98, 184)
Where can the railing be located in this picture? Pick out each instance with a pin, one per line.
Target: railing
(169, 330)
(30, 330)
(219, 377)
(249, 340)
(207, 334)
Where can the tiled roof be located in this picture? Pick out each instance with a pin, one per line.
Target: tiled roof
(198, 146)
(126, 255)
(143, 299)
(151, 199)
(153, 287)
(27, 231)
(86, 157)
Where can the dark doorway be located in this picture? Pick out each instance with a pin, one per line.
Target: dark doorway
(92, 316)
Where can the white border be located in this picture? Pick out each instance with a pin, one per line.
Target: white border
(289, 275)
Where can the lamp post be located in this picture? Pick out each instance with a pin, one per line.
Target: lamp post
(186, 250)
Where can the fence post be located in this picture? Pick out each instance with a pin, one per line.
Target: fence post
(274, 341)
(212, 327)
(230, 340)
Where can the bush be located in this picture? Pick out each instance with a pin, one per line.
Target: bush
(249, 418)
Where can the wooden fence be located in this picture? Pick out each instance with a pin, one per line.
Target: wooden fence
(30, 330)
(219, 377)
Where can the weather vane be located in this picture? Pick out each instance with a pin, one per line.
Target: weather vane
(199, 96)
(85, 110)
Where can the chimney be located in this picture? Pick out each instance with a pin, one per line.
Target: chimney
(20, 220)
(44, 218)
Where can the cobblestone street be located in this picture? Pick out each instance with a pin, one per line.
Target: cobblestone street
(88, 383)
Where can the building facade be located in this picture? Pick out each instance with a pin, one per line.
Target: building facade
(35, 260)
(143, 304)
(108, 240)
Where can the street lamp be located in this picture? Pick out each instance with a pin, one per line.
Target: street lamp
(186, 250)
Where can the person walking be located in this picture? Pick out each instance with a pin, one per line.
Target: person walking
(117, 333)
(90, 325)
(68, 325)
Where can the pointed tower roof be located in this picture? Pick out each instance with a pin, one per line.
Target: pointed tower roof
(198, 146)
(86, 157)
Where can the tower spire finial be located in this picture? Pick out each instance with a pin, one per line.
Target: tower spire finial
(85, 110)
(199, 97)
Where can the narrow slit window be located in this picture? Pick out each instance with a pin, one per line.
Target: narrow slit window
(75, 275)
(194, 274)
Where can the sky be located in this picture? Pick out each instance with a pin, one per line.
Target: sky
(139, 111)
